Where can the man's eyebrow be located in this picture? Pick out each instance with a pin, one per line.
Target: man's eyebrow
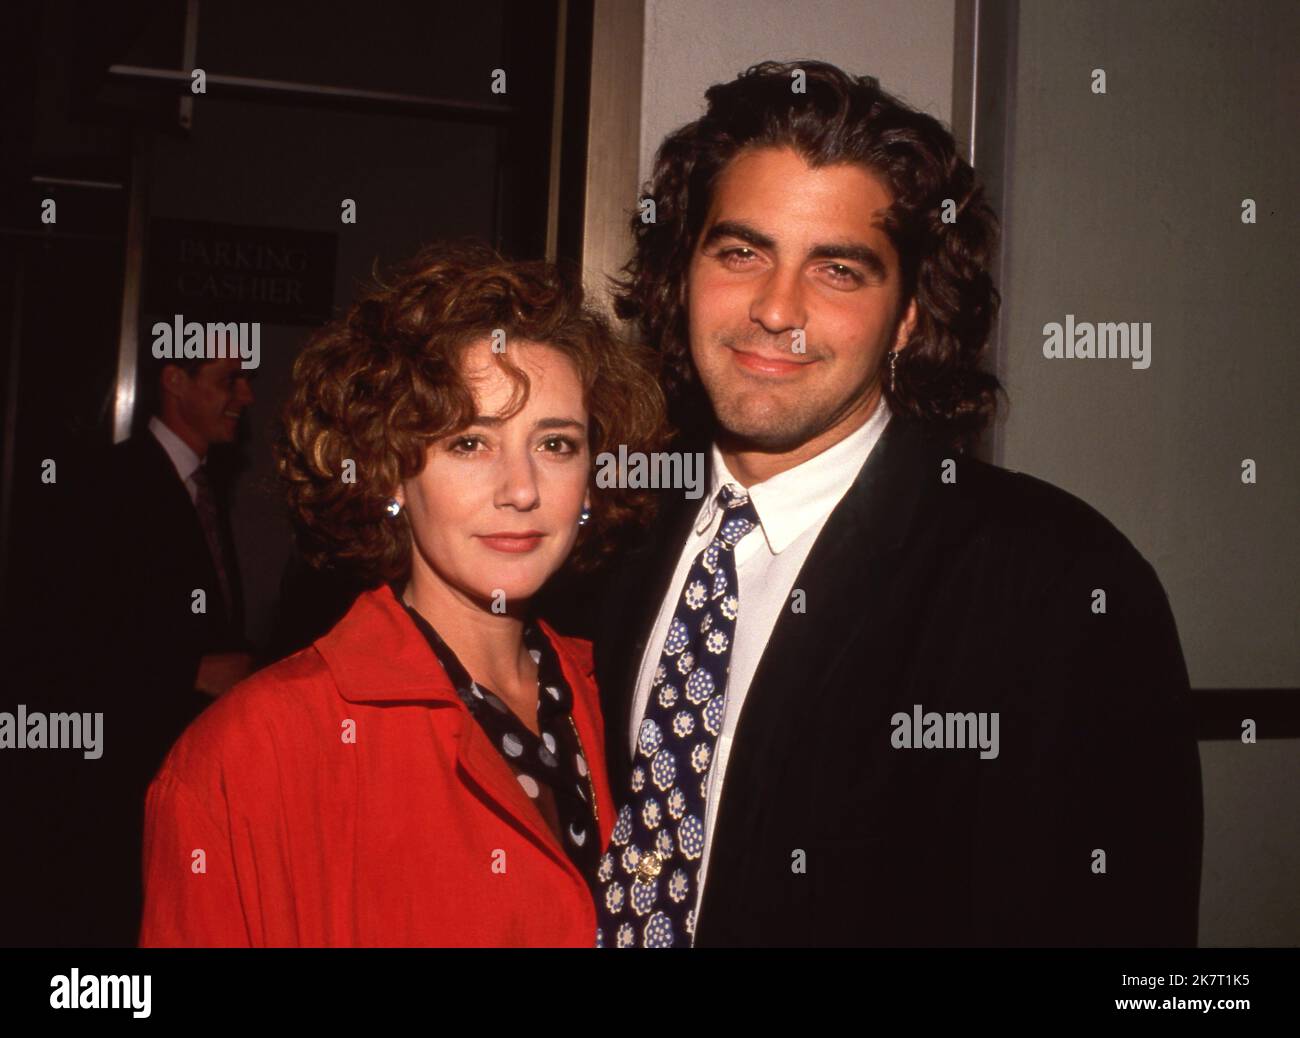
(737, 229)
(851, 250)
(857, 252)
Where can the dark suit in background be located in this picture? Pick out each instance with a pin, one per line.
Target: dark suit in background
(155, 557)
(122, 576)
(973, 596)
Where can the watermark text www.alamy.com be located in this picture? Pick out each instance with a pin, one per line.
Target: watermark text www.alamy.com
(39, 731)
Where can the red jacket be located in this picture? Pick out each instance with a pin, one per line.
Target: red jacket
(416, 833)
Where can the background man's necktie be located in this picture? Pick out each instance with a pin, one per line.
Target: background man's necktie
(649, 876)
(207, 509)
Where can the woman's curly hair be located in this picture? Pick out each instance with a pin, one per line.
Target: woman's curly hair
(372, 389)
(838, 119)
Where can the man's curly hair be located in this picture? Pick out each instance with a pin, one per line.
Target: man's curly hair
(378, 385)
(838, 119)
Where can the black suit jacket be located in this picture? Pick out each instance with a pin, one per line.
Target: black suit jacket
(973, 596)
(114, 633)
(152, 555)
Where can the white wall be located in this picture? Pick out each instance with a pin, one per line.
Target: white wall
(1127, 207)
(692, 44)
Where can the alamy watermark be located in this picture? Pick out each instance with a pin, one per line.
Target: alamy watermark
(127, 991)
(39, 731)
(950, 731)
(180, 339)
(661, 470)
(1107, 341)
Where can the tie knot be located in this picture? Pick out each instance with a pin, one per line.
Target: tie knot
(731, 496)
(739, 515)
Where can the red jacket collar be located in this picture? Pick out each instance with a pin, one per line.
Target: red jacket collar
(376, 653)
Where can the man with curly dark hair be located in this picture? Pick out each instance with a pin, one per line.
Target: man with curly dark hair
(873, 691)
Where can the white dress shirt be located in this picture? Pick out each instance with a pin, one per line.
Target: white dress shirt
(792, 507)
(183, 456)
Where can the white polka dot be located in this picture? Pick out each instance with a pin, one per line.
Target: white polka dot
(530, 785)
(548, 740)
(475, 689)
(582, 765)
(578, 836)
(537, 656)
(511, 744)
(555, 692)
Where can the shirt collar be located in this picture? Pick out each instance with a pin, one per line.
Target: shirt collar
(376, 654)
(184, 457)
(792, 501)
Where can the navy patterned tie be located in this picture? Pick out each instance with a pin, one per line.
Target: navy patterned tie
(648, 878)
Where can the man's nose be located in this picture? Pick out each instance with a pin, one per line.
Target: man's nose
(779, 303)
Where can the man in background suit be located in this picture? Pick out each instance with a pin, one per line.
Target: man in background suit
(163, 610)
(172, 529)
(870, 690)
(106, 620)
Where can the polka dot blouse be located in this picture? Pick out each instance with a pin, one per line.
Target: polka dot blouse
(551, 768)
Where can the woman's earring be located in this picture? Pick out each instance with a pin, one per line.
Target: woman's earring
(393, 508)
(584, 517)
(893, 364)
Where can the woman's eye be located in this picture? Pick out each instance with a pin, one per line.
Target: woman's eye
(465, 444)
(559, 445)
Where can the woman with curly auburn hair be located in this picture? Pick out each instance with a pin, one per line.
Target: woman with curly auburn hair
(431, 771)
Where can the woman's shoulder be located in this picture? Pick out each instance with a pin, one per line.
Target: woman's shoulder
(290, 703)
(265, 716)
(298, 681)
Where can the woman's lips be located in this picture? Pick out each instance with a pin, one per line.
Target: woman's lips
(512, 545)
